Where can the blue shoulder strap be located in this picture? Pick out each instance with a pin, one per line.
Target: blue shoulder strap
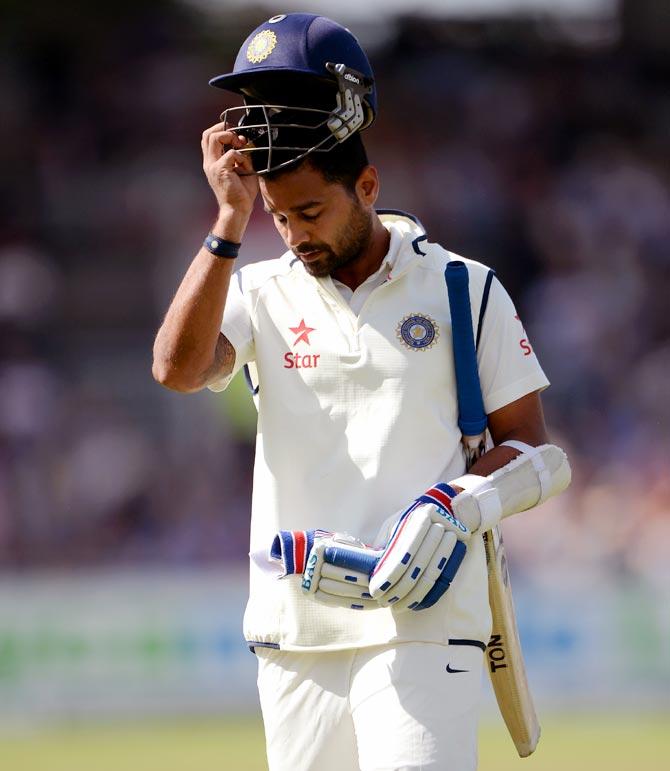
(471, 415)
(472, 418)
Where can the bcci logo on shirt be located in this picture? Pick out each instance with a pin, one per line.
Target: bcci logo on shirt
(418, 332)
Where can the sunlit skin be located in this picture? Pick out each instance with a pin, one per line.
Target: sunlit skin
(332, 230)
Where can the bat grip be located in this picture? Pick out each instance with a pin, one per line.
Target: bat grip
(475, 447)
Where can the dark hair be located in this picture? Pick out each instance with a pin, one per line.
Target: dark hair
(341, 166)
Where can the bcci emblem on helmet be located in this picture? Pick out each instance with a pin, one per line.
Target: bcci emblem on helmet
(418, 332)
(261, 46)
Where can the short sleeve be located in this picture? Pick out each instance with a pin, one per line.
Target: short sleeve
(508, 366)
(237, 328)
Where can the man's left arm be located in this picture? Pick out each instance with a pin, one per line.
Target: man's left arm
(521, 420)
(520, 471)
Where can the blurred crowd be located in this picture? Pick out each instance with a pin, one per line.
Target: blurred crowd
(547, 162)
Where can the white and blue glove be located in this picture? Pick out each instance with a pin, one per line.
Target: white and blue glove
(335, 567)
(420, 553)
(425, 547)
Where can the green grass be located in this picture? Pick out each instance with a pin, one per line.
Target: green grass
(569, 743)
(583, 743)
(186, 745)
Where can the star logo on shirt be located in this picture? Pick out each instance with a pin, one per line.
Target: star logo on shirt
(303, 332)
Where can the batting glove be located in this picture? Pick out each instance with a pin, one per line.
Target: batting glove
(423, 552)
(335, 567)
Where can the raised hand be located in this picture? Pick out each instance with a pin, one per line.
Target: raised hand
(230, 175)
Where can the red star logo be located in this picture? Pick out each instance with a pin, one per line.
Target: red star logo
(303, 332)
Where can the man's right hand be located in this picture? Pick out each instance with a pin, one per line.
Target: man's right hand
(421, 557)
(231, 176)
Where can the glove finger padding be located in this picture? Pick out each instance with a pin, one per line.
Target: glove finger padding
(347, 583)
(436, 579)
(415, 568)
(344, 575)
(406, 539)
(342, 589)
(337, 572)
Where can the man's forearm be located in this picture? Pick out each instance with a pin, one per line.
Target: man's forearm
(495, 458)
(522, 420)
(506, 480)
(185, 346)
(187, 349)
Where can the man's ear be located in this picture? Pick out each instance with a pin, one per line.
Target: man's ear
(367, 186)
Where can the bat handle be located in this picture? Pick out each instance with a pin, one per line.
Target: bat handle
(475, 447)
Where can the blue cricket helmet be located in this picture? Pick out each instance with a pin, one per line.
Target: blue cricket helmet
(307, 86)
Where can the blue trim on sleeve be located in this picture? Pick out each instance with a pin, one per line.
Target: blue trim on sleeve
(415, 244)
(250, 383)
(485, 301)
(247, 375)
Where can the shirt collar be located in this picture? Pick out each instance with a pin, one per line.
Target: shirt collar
(403, 230)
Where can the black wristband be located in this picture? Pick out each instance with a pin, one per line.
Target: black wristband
(220, 247)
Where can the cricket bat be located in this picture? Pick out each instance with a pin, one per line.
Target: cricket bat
(505, 658)
(507, 670)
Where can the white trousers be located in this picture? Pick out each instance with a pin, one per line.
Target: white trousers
(386, 708)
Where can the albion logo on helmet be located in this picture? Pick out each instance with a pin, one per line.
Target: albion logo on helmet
(418, 332)
(261, 46)
(352, 78)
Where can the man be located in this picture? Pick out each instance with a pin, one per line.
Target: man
(348, 338)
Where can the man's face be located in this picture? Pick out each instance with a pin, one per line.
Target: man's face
(322, 223)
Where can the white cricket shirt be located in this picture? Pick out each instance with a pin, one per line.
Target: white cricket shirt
(358, 416)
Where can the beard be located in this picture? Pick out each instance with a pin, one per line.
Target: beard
(348, 245)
